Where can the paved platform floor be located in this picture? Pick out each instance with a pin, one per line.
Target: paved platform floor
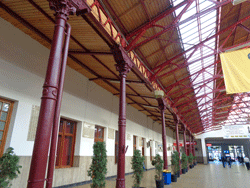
(212, 175)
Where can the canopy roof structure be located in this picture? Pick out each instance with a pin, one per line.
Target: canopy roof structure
(174, 45)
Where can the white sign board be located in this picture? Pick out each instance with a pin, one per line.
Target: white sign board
(236, 131)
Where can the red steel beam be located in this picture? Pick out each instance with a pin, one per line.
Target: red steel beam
(172, 25)
(220, 32)
(154, 20)
(169, 88)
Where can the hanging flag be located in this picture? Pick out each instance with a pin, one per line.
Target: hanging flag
(236, 70)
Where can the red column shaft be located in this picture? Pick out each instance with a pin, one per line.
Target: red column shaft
(177, 142)
(190, 142)
(47, 110)
(54, 138)
(193, 146)
(185, 139)
(164, 142)
(120, 181)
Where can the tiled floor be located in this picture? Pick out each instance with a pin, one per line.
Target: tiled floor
(202, 176)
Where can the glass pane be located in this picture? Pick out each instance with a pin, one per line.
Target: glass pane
(67, 149)
(69, 127)
(1, 105)
(96, 135)
(2, 124)
(3, 116)
(100, 133)
(58, 149)
(61, 126)
(6, 107)
(1, 135)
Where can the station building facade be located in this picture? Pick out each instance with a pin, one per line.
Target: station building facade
(89, 113)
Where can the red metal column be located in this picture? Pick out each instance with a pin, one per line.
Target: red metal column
(48, 104)
(177, 140)
(53, 145)
(162, 107)
(123, 66)
(193, 146)
(50, 98)
(190, 147)
(184, 138)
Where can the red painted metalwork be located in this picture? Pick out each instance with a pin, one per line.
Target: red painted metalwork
(190, 144)
(123, 65)
(48, 104)
(50, 93)
(177, 140)
(174, 24)
(193, 146)
(53, 145)
(185, 139)
(201, 43)
(154, 20)
(162, 107)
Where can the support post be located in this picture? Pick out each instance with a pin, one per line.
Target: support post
(54, 138)
(190, 146)
(124, 65)
(162, 107)
(177, 141)
(184, 138)
(38, 166)
(193, 146)
(48, 104)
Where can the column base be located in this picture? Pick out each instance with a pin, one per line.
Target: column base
(120, 183)
(205, 160)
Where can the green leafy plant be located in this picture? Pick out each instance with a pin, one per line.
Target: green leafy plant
(195, 159)
(137, 166)
(190, 158)
(98, 168)
(184, 160)
(158, 163)
(175, 162)
(9, 168)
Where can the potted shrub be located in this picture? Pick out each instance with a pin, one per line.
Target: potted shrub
(98, 168)
(190, 160)
(158, 163)
(184, 160)
(195, 160)
(9, 168)
(174, 165)
(137, 166)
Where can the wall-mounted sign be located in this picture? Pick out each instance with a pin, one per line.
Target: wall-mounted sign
(209, 145)
(236, 131)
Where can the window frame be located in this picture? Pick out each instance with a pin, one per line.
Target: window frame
(97, 139)
(143, 147)
(63, 134)
(7, 123)
(134, 143)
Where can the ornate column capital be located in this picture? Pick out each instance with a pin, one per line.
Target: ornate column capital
(162, 104)
(124, 63)
(69, 7)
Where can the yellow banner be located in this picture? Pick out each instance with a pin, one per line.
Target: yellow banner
(236, 70)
